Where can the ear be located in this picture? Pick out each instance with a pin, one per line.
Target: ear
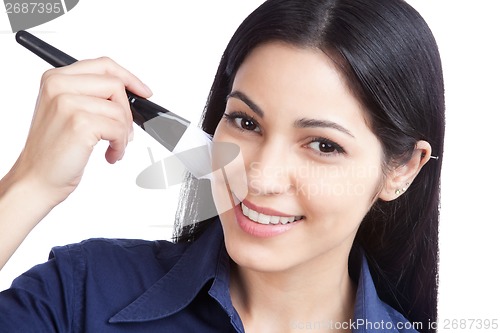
(400, 178)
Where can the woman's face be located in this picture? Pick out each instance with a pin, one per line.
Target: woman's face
(312, 164)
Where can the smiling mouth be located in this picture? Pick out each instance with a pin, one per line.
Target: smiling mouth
(268, 219)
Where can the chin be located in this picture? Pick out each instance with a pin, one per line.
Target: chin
(254, 253)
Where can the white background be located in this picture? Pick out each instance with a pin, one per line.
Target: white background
(175, 48)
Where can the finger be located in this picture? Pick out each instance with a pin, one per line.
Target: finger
(104, 128)
(105, 65)
(76, 120)
(68, 87)
(70, 103)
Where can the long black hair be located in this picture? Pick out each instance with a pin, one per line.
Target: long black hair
(390, 61)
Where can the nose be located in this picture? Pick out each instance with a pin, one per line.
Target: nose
(270, 169)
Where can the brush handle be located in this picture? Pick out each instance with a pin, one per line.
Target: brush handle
(142, 109)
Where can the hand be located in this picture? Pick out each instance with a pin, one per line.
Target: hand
(77, 106)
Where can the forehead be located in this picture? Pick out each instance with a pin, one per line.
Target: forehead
(294, 81)
(279, 62)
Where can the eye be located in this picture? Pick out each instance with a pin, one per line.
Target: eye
(242, 121)
(325, 147)
(246, 124)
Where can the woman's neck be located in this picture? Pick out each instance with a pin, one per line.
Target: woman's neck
(314, 295)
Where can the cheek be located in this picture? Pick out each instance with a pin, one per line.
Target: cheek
(345, 192)
(229, 179)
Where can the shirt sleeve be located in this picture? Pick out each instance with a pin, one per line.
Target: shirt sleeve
(46, 298)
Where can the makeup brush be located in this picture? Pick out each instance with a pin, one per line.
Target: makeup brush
(171, 130)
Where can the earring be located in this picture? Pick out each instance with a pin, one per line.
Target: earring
(399, 191)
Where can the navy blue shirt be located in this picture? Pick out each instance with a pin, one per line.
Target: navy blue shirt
(111, 286)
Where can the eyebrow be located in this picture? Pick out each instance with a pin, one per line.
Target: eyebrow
(300, 123)
(309, 123)
(245, 99)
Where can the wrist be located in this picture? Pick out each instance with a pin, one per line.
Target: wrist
(20, 212)
(26, 196)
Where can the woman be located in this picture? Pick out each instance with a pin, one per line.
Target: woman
(338, 109)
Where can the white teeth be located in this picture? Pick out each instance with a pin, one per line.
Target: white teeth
(275, 219)
(253, 215)
(266, 219)
(284, 220)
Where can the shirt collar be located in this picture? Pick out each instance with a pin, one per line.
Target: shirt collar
(370, 312)
(177, 289)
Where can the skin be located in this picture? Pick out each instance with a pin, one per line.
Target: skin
(331, 183)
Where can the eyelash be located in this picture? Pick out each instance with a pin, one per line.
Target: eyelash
(338, 149)
(233, 116)
(231, 119)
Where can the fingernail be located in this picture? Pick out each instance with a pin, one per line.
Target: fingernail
(121, 157)
(131, 134)
(148, 90)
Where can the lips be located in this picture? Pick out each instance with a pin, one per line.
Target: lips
(262, 218)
